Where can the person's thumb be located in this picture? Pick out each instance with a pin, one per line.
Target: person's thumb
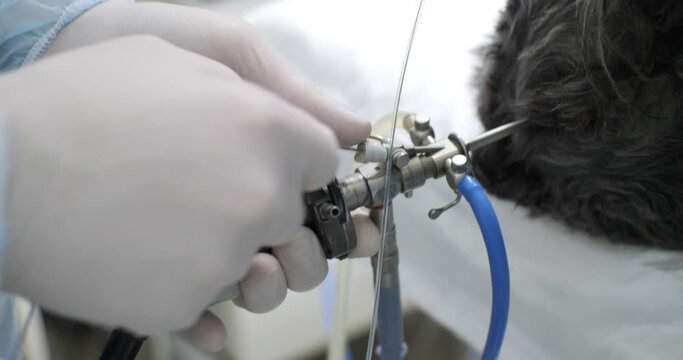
(256, 60)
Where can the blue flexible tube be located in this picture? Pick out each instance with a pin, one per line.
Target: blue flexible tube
(500, 274)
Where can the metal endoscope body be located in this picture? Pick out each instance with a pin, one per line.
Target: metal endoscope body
(328, 213)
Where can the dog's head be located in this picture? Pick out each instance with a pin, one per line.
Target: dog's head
(601, 84)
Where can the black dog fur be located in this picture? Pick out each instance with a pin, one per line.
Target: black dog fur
(601, 85)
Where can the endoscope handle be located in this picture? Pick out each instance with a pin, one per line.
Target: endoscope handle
(326, 215)
(122, 345)
(330, 220)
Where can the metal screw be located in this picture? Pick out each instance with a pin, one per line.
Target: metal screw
(401, 158)
(422, 122)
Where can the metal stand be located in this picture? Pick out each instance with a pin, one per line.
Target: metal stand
(390, 326)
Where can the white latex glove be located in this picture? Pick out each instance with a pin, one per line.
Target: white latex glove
(144, 177)
(228, 40)
(233, 42)
(299, 265)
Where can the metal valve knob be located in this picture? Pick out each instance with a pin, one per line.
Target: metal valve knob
(456, 168)
(400, 158)
(422, 122)
(435, 213)
(459, 164)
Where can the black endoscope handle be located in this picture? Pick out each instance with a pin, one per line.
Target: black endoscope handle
(327, 216)
(122, 345)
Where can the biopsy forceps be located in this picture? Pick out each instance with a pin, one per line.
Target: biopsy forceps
(328, 213)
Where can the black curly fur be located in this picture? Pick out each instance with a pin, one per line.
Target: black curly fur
(601, 84)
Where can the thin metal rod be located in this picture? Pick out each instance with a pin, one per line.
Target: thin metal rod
(495, 134)
(387, 182)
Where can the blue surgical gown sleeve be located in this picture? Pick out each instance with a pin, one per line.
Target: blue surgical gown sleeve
(28, 27)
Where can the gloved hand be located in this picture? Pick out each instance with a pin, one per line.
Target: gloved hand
(144, 177)
(228, 40)
(234, 43)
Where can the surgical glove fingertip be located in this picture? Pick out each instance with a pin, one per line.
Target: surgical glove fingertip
(265, 286)
(349, 128)
(367, 235)
(302, 260)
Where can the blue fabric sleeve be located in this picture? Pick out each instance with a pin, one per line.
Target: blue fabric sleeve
(28, 27)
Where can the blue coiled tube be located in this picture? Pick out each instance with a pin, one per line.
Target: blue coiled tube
(500, 274)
